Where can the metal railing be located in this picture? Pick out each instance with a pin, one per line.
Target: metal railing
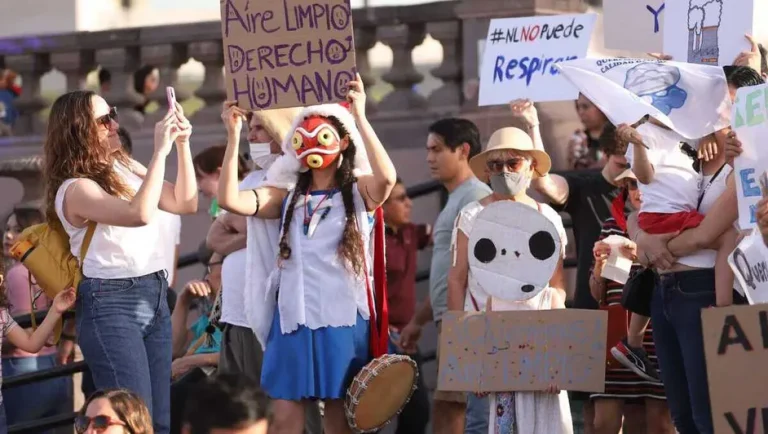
(186, 260)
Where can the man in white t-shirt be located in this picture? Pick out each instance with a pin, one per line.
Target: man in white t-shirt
(240, 350)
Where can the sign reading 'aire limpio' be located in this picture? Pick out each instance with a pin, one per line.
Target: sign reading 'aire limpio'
(287, 53)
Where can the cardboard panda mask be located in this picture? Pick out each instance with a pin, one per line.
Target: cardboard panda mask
(513, 251)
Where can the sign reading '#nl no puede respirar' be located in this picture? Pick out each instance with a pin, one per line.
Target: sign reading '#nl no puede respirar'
(287, 53)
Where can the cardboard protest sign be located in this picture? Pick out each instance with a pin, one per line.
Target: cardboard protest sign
(523, 351)
(287, 53)
(749, 262)
(708, 31)
(520, 53)
(635, 25)
(690, 99)
(750, 121)
(736, 349)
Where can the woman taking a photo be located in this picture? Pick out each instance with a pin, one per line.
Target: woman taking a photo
(122, 316)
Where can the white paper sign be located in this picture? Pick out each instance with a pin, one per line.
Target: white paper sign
(635, 25)
(520, 54)
(691, 99)
(750, 268)
(750, 121)
(708, 31)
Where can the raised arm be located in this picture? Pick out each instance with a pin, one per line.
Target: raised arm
(86, 201)
(227, 234)
(263, 202)
(374, 188)
(641, 163)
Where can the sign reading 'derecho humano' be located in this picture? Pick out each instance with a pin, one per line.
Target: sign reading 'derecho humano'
(736, 342)
(287, 53)
(523, 351)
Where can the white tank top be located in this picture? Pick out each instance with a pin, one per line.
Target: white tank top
(115, 252)
(711, 189)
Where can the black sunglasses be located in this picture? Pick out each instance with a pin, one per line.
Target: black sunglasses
(512, 164)
(691, 153)
(107, 119)
(100, 423)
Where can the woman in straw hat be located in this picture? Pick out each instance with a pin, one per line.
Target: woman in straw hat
(508, 164)
(321, 316)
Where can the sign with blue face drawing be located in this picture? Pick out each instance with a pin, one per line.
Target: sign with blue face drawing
(520, 54)
(287, 53)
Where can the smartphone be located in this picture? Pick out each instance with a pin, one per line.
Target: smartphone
(171, 94)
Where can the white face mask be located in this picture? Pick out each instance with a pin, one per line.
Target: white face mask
(261, 154)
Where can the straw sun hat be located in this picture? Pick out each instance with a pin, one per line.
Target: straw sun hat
(515, 139)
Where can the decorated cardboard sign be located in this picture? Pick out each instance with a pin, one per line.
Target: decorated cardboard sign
(287, 53)
(513, 250)
(634, 25)
(523, 350)
(750, 121)
(736, 341)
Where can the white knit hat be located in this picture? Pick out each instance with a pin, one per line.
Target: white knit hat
(284, 172)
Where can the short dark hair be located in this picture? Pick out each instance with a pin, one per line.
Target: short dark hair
(104, 76)
(125, 140)
(456, 131)
(609, 142)
(224, 401)
(742, 76)
(763, 59)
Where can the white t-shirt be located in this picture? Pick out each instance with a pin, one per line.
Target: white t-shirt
(170, 237)
(675, 185)
(466, 221)
(233, 271)
(116, 252)
(711, 191)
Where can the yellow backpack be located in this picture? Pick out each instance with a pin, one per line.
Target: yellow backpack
(44, 249)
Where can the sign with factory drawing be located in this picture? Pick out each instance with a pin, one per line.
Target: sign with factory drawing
(709, 31)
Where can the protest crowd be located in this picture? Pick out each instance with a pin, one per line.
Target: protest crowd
(307, 319)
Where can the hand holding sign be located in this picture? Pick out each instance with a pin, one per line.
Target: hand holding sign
(732, 147)
(356, 98)
(525, 110)
(762, 208)
(232, 115)
(749, 58)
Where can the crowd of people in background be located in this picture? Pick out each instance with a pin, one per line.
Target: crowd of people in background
(182, 357)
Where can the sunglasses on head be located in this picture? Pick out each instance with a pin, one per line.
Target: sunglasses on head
(99, 423)
(513, 164)
(107, 119)
(691, 153)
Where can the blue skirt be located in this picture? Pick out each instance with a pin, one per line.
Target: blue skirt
(314, 364)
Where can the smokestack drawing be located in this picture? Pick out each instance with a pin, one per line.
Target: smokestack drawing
(703, 25)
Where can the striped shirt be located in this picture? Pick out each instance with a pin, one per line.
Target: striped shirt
(622, 383)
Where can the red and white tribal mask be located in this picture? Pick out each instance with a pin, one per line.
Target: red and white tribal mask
(317, 143)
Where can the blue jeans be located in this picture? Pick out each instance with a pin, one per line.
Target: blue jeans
(124, 331)
(36, 400)
(477, 415)
(3, 423)
(676, 316)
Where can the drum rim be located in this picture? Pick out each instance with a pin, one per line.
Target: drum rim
(391, 359)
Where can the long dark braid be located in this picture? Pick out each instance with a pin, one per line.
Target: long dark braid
(350, 246)
(302, 184)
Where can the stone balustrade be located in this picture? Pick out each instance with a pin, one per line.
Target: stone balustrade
(169, 47)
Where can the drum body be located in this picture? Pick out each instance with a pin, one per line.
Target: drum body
(379, 392)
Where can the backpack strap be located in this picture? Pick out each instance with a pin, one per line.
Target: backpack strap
(87, 242)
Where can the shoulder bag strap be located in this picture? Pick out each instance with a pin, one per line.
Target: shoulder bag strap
(87, 241)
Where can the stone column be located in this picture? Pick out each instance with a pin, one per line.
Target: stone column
(121, 63)
(365, 39)
(75, 65)
(449, 71)
(403, 75)
(31, 67)
(168, 58)
(212, 91)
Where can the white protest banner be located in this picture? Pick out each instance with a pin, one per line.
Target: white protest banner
(287, 53)
(708, 31)
(691, 99)
(735, 342)
(749, 262)
(634, 25)
(520, 54)
(750, 121)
